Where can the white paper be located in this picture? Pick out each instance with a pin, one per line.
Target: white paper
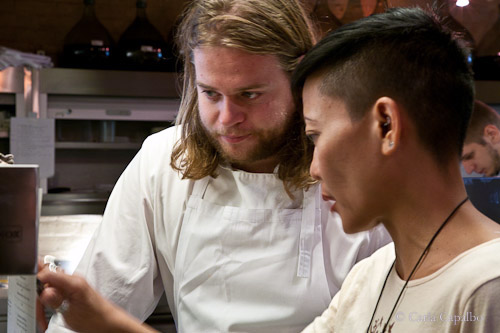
(32, 141)
(21, 304)
(11, 57)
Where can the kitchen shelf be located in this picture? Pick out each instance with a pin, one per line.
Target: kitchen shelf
(98, 145)
(84, 82)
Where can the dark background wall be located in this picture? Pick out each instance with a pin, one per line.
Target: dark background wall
(41, 25)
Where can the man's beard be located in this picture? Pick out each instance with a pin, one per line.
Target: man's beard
(269, 143)
(495, 157)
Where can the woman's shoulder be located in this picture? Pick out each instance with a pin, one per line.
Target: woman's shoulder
(374, 267)
(480, 263)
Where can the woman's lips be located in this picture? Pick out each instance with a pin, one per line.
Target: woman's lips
(332, 207)
(327, 198)
(331, 200)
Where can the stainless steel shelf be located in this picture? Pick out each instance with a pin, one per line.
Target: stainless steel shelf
(12, 80)
(67, 81)
(55, 204)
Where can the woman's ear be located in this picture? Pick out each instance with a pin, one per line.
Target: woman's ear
(387, 117)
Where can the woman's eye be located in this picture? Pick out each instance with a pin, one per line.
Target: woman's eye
(313, 137)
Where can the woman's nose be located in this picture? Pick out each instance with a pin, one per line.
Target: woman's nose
(314, 168)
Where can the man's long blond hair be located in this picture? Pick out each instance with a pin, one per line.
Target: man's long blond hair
(265, 27)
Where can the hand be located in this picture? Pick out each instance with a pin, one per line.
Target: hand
(40, 316)
(84, 309)
(40, 309)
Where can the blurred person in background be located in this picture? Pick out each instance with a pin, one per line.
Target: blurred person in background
(481, 153)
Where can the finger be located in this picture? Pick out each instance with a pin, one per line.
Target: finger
(51, 297)
(40, 316)
(66, 285)
(45, 266)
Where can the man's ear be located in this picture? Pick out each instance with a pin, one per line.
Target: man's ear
(491, 134)
(387, 115)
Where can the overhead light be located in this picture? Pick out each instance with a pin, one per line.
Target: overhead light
(462, 3)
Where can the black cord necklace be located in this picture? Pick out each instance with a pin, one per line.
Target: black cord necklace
(413, 270)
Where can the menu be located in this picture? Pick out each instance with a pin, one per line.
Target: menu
(21, 304)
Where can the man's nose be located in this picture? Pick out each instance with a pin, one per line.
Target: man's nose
(469, 166)
(230, 113)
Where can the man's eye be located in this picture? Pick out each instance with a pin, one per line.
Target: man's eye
(209, 93)
(468, 156)
(250, 94)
